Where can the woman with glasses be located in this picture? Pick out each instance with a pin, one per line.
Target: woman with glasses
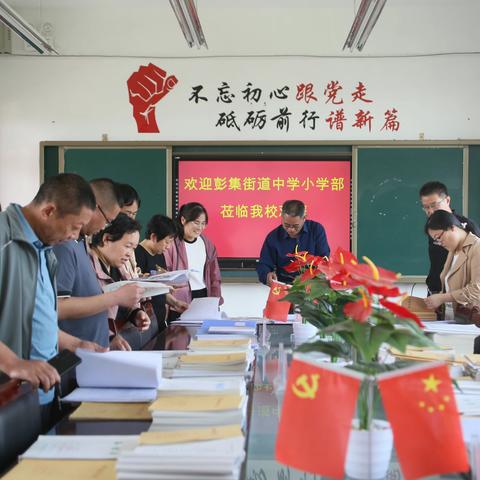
(111, 249)
(461, 274)
(193, 251)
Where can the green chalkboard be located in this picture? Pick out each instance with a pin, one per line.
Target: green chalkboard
(143, 168)
(390, 220)
(474, 183)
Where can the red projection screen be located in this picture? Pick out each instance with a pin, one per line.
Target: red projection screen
(243, 199)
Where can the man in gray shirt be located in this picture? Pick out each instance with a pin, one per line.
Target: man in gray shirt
(82, 304)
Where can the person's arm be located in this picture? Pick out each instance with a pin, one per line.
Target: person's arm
(215, 276)
(266, 263)
(69, 342)
(37, 372)
(321, 243)
(470, 293)
(177, 305)
(79, 307)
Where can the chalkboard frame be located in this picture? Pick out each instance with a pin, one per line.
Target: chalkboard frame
(462, 150)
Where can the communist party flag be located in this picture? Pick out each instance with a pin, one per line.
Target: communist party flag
(274, 309)
(316, 418)
(420, 406)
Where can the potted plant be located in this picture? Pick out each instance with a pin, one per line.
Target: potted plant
(351, 305)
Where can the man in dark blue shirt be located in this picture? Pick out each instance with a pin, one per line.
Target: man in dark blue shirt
(294, 233)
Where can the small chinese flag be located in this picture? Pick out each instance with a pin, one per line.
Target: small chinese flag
(316, 418)
(274, 309)
(420, 405)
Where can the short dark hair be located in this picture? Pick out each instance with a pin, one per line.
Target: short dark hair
(190, 212)
(442, 220)
(162, 227)
(127, 195)
(293, 208)
(106, 194)
(433, 187)
(68, 191)
(117, 229)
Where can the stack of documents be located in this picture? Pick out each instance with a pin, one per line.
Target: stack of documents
(174, 412)
(201, 309)
(205, 364)
(215, 459)
(202, 386)
(220, 343)
(237, 327)
(117, 376)
(444, 327)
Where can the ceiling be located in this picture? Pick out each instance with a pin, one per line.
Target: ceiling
(148, 28)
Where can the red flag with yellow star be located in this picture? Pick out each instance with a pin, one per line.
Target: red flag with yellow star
(316, 419)
(274, 309)
(420, 405)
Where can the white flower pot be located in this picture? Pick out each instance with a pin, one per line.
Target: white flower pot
(369, 451)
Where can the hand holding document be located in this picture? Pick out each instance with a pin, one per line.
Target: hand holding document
(152, 289)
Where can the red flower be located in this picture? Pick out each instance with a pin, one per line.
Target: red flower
(384, 291)
(371, 275)
(400, 311)
(359, 310)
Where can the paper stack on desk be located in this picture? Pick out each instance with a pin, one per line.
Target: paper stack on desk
(201, 309)
(215, 459)
(207, 364)
(238, 327)
(202, 386)
(182, 411)
(117, 376)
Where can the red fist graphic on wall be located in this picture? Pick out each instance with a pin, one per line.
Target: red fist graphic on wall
(146, 88)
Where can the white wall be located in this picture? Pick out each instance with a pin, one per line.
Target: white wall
(58, 98)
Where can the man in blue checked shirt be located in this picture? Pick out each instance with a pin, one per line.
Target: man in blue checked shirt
(295, 233)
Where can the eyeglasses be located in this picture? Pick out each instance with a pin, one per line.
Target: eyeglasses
(107, 221)
(433, 205)
(438, 240)
(286, 226)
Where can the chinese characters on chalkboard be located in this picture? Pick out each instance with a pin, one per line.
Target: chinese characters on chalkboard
(332, 107)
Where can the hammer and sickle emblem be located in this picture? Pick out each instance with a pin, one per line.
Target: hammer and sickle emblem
(302, 388)
(276, 290)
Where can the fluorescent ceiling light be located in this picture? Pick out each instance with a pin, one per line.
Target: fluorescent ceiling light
(365, 19)
(20, 26)
(187, 17)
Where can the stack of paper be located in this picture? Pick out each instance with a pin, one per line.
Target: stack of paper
(201, 309)
(206, 364)
(92, 447)
(444, 327)
(205, 410)
(207, 344)
(238, 327)
(215, 459)
(117, 376)
(202, 386)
